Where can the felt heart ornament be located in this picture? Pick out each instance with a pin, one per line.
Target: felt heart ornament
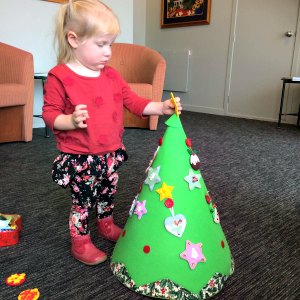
(176, 224)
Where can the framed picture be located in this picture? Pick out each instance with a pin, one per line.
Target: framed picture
(176, 13)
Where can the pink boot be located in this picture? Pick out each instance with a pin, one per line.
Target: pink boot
(108, 230)
(85, 251)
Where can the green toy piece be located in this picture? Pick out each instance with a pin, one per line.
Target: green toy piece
(173, 246)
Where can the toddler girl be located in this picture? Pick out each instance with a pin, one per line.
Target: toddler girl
(83, 105)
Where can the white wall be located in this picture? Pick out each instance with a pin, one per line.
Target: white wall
(139, 22)
(210, 74)
(209, 47)
(29, 25)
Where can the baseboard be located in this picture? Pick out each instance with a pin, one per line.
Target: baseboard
(214, 111)
(203, 109)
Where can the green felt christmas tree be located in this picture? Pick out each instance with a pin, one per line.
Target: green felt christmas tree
(173, 246)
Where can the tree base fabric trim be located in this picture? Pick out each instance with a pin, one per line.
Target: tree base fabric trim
(167, 289)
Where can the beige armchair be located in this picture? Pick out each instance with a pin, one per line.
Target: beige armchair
(16, 94)
(144, 70)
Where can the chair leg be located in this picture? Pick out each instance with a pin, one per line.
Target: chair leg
(298, 120)
(281, 104)
(47, 134)
(153, 120)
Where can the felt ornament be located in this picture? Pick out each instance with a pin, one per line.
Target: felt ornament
(193, 180)
(216, 216)
(175, 104)
(208, 198)
(165, 191)
(194, 160)
(176, 224)
(151, 161)
(133, 205)
(175, 249)
(31, 294)
(140, 209)
(152, 177)
(193, 254)
(15, 279)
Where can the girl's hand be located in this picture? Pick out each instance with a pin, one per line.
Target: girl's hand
(79, 116)
(168, 107)
(162, 108)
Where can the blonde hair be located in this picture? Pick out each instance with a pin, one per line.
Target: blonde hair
(85, 18)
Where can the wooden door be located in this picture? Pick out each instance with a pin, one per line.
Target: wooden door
(262, 53)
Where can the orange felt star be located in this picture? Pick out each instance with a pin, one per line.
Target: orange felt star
(165, 191)
(15, 279)
(32, 294)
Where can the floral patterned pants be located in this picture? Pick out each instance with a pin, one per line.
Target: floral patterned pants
(93, 181)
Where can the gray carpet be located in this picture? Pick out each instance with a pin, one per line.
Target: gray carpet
(251, 168)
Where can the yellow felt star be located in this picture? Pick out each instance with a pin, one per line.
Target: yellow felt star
(175, 104)
(165, 191)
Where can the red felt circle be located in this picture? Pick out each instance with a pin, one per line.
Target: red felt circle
(123, 233)
(188, 142)
(160, 141)
(208, 198)
(222, 244)
(169, 203)
(146, 249)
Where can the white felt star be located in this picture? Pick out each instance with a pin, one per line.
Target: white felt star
(140, 209)
(193, 254)
(193, 180)
(152, 177)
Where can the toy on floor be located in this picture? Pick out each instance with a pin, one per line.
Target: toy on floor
(18, 279)
(173, 246)
(10, 227)
(15, 279)
(31, 294)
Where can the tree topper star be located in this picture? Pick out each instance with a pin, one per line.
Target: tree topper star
(193, 254)
(165, 191)
(153, 177)
(193, 180)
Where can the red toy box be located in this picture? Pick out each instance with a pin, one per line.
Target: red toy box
(10, 227)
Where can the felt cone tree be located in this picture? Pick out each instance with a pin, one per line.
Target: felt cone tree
(173, 246)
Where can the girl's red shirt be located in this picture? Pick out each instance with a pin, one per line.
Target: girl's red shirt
(105, 97)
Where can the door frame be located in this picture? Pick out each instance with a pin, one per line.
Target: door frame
(295, 71)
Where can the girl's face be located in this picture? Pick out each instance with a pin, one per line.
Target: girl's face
(94, 52)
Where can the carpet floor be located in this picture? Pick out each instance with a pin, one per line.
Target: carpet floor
(251, 168)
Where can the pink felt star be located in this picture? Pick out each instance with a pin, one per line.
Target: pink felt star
(193, 254)
(140, 209)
